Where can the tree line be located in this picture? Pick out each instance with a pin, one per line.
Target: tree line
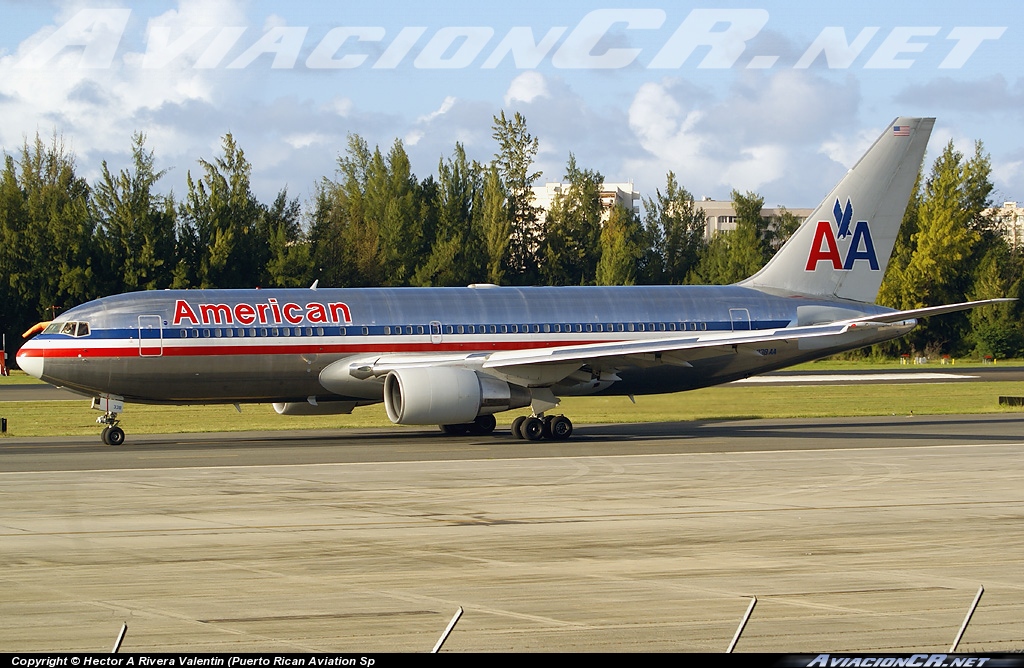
(64, 241)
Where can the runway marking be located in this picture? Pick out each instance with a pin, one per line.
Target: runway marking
(852, 378)
(916, 448)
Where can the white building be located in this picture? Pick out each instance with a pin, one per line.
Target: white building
(1009, 221)
(611, 195)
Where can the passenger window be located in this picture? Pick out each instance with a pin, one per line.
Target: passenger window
(229, 333)
(419, 329)
(182, 334)
(217, 333)
(195, 333)
(387, 329)
(366, 331)
(287, 332)
(263, 331)
(462, 329)
(206, 333)
(319, 331)
(547, 328)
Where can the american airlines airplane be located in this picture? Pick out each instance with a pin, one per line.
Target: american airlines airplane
(456, 356)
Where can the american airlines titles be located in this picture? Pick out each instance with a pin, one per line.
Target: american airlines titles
(269, 312)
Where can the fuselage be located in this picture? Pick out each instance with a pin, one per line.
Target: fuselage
(241, 346)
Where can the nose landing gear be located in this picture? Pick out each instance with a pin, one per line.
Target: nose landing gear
(111, 434)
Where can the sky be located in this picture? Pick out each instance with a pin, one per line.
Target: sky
(779, 98)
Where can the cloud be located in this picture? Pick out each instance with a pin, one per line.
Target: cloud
(987, 95)
(526, 88)
(764, 130)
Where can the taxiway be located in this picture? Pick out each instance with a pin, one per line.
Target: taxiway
(863, 534)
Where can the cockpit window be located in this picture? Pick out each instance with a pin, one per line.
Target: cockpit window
(70, 328)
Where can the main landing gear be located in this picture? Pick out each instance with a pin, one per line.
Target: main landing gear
(537, 427)
(481, 426)
(111, 434)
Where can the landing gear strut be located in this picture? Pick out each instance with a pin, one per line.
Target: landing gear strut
(537, 427)
(111, 434)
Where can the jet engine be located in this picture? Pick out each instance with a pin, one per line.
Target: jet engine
(447, 395)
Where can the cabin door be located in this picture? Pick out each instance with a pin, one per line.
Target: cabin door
(151, 336)
(740, 319)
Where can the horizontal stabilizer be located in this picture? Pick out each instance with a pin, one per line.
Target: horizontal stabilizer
(913, 314)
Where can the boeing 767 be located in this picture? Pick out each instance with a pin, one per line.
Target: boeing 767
(456, 356)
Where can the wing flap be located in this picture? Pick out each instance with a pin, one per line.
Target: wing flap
(660, 345)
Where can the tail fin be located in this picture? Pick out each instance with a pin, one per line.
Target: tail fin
(842, 249)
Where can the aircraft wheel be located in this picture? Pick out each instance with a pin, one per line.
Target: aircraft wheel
(115, 436)
(547, 426)
(561, 428)
(105, 436)
(455, 429)
(532, 429)
(517, 426)
(483, 424)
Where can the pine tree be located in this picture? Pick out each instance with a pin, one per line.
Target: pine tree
(674, 229)
(136, 225)
(570, 248)
(621, 237)
(516, 150)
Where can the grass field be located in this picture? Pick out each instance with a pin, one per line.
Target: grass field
(54, 418)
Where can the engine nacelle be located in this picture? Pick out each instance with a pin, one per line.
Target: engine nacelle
(447, 395)
(323, 408)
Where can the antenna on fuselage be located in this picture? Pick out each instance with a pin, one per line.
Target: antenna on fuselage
(315, 283)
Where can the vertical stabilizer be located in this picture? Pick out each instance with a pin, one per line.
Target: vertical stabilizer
(842, 249)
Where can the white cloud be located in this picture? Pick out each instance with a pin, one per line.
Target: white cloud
(526, 87)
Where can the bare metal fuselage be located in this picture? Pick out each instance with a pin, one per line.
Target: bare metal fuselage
(242, 346)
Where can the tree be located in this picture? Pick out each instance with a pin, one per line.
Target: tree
(393, 207)
(136, 225)
(53, 256)
(289, 262)
(571, 245)
(220, 217)
(496, 226)
(345, 242)
(516, 150)
(674, 229)
(457, 253)
(997, 330)
(736, 254)
(945, 245)
(621, 238)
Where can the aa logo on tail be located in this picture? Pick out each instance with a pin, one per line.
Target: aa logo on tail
(825, 246)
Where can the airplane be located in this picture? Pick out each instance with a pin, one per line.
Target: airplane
(456, 356)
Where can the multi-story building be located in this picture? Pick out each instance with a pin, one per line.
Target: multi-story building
(1009, 221)
(611, 194)
(721, 216)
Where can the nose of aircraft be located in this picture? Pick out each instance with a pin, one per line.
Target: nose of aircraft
(30, 363)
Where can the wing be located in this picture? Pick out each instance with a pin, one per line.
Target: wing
(547, 366)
